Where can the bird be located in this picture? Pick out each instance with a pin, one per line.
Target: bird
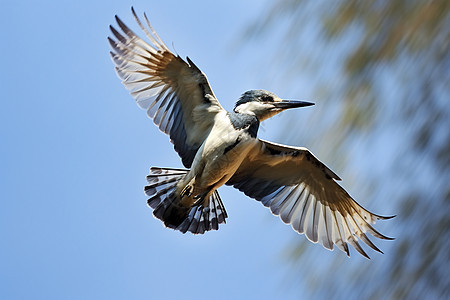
(219, 147)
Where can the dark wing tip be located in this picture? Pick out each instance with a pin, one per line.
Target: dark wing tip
(387, 217)
(362, 252)
(192, 65)
(134, 12)
(122, 25)
(347, 251)
(379, 217)
(111, 41)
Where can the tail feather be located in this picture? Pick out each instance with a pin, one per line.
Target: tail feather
(162, 182)
(204, 218)
(196, 219)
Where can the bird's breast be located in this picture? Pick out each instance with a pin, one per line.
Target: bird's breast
(222, 153)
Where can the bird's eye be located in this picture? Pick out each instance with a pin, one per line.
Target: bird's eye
(267, 98)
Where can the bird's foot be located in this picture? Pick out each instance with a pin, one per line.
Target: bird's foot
(187, 191)
(199, 198)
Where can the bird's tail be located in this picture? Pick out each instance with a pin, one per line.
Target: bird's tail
(198, 218)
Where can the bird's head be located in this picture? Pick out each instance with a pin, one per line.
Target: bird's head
(264, 104)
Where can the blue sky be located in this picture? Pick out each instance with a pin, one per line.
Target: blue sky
(76, 149)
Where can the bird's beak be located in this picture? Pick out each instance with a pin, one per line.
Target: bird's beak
(286, 104)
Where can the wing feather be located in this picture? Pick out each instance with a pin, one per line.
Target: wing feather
(299, 188)
(167, 87)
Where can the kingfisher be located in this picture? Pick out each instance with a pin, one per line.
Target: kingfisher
(219, 147)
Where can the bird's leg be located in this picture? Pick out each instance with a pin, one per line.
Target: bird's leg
(187, 190)
(201, 197)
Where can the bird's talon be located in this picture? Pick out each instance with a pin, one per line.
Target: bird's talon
(199, 200)
(187, 191)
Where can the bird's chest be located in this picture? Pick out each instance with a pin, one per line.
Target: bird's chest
(225, 145)
(222, 152)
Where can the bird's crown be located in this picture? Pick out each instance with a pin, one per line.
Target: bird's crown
(256, 95)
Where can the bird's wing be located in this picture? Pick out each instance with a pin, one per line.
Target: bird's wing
(299, 188)
(175, 94)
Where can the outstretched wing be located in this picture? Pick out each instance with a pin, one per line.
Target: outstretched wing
(175, 94)
(299, 188)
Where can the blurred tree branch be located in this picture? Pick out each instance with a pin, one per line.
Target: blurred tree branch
(390, 83)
